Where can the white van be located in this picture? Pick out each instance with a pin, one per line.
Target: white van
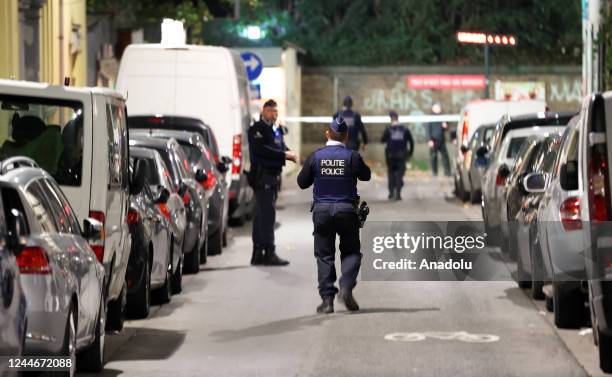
(475, 114)
(79, 136)
(203, 82)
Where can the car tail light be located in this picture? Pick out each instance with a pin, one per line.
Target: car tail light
(598, 185)
(237, 154)
(186, 198)
(465, 129)
(163, 208)
(570, 214)
(499, 180)
(33, 260)
(210, 182)
(133, 217)
(98, 245)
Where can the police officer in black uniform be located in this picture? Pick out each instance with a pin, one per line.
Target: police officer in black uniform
(267, 161)
(355, 126)
(334, 171)
(398, 150)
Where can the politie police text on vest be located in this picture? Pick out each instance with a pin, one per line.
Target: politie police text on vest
(333, 167)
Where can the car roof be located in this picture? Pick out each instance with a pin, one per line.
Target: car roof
(142, 152)
(169, 122)
(533, 131)
(55, 89)
(180, 135)
(22, 176)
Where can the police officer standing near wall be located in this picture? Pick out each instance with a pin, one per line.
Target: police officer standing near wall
(334, 171)
(267, 161)
(399, 148)
(436, 142)
(356, 130)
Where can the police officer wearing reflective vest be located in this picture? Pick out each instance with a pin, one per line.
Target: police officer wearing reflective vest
(334, 171)
(399, 148)
(356, 130)
(267, 161)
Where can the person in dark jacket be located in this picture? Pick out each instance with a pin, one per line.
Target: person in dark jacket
(333, 171)
(267, 161)
(399, 148)
(356, 130)
(436, 142)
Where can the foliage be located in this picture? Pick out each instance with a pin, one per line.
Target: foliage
(604, 46)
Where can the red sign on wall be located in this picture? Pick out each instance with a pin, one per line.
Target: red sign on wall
(446, 81)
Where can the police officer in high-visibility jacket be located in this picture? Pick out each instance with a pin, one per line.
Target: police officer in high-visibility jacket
(334, 171)
(398, 150)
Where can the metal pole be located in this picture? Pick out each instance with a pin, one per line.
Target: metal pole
(487, 70)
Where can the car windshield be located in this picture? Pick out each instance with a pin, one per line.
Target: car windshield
(515, 147)
(49, 131)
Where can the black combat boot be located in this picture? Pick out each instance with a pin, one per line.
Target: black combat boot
(346, 297)
(272, 259)
(258, 257)
(327, 306)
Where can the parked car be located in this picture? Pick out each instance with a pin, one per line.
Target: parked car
(477, 113)
(589, 168)
(560, 238)
(514, 191)
(56, 126)
(509, 134)
(193, 195)
(159, 197)
(217, 95)
(13, 320)
(216, 188)
(528, 189)
(474, 166)
(60, 274)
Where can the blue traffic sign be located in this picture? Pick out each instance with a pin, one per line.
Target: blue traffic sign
(253, 65)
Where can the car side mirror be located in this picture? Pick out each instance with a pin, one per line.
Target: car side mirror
(17, 232)
(200, 176)
(224, 164)
(137, 182)
(182, 189)
(92, 229)
(503, 171)
(464, 149)
(534, 183)
(162, 196)
(568, 176)
(482, 151)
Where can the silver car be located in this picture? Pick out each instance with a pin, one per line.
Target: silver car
(60, 274)
(13, 321)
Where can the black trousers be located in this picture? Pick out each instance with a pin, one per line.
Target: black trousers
(329, 221)
(266, 192)
(396, 167)
(439, 147)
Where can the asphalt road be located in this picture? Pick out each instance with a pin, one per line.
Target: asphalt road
(236, 320)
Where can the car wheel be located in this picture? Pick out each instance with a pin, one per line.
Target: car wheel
(177, 278)
(462, 194)
(139, 304)
(163, 294)
(537, 276)
(522, 278)
(568, 304)
(69, 345)
(605, 352)
(224, 236)
(204, 252)
(116, 311)
(92, 358)
(192, 263)
(215, 243)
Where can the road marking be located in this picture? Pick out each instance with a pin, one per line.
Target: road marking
(459, 335)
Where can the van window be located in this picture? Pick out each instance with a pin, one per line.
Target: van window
(117, 146)
(49, 131)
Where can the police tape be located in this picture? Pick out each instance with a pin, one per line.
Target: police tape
(376, 118)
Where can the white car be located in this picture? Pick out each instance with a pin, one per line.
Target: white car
(477, 113)
(203, 82)
(79, 136)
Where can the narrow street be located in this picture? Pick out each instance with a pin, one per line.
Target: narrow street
(235, 320)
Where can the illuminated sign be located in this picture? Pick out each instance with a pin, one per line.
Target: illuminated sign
(485, 38)
(446, 81)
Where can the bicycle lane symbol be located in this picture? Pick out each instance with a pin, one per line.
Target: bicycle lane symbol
(462, 336)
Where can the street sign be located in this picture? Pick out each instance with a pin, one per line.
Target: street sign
(253, 65)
